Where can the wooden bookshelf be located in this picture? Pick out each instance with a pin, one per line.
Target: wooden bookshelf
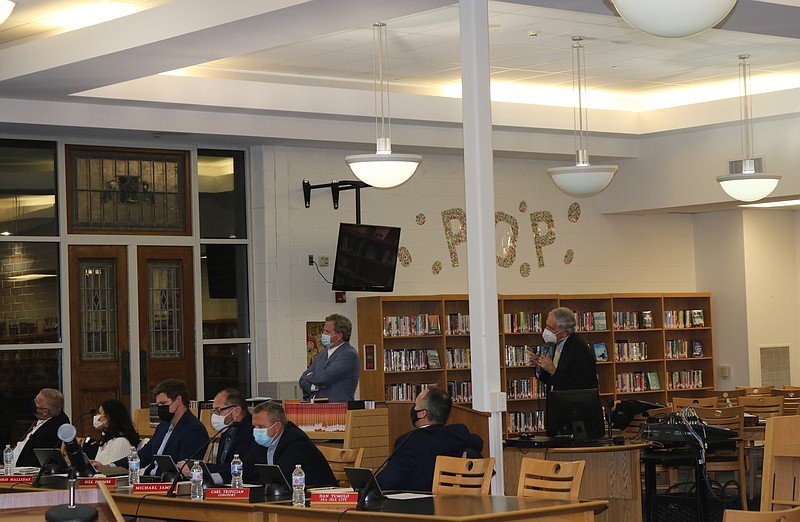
(633, 328)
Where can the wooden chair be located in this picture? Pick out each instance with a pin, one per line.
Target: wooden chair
(453, 475)
(762, 407)
(790, 387)
(734, 515)
(791, 400)
(755, 390)
(548, 479)
(726, 398)
(679, 403)
(339, 458)
(733, 459)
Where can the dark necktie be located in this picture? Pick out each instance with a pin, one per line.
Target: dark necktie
(30, 429)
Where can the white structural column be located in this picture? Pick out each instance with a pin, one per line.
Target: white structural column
(479, 184)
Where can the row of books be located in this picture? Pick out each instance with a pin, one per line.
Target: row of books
(421, 324)
(685, 379)
(634, 320)
(405, 391)
(522, 322)
(405, 360)
(683, 319)
(531, 388)
(637, 382)
(317, 416)
(590, 321)
(460, 391)
(630, 351)
(521, 355)
(679, 349)
(457, 324)
(458, 358)
(522, 421)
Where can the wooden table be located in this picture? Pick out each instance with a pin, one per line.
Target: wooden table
(448, 508)
(612, 473)
(31, 506)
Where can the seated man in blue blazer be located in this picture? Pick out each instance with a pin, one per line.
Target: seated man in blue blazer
(334, 373)
(411, 464)
(179, 434)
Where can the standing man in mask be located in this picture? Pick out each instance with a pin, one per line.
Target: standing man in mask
(334, 373)
(572, 365)
(411, 464)
(179, 434)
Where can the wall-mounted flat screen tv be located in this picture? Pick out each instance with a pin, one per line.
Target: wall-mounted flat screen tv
(366, 258)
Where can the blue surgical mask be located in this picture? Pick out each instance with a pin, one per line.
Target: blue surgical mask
(262, 437)
(326, 340)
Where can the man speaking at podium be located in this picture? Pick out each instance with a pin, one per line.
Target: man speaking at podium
(572, 366)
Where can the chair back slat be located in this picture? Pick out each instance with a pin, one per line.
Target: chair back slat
(762, 406)
(339, 458)
(453, 475)
(791, 400)
(726, 398)
(549, 479)
(756, 390)
(679, 403)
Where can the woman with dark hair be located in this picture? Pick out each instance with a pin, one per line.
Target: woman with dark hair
(114, 421)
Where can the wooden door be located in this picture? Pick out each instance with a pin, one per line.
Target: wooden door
(166, 318)
(99, 330)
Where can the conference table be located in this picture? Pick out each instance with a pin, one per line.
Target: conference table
(448, 508)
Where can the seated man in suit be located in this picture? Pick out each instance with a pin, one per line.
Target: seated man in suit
(43, 433)
(283, 444)
(410, 466)
(179, 434)
(231, 418)
(334, 373)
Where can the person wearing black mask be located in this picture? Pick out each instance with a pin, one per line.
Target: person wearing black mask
(411, 465)
(178, 434)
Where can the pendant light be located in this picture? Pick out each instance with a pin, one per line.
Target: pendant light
(583, 179)
(382, 169)
(673, 18)
(744, 180)
(6, 6)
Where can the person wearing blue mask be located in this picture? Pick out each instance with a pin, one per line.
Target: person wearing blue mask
(334, 373)
(280, 442)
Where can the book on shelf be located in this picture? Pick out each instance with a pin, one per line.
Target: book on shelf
(697, 318)
(600, 352)
(652, 381)
(698, 350)
(434, 326)
(648, 320)
(433, 360)
(599, 320)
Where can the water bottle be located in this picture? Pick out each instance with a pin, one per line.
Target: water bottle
(8, 460)
(196, 478)
(298, 487)
(236, 472)
(133, 467)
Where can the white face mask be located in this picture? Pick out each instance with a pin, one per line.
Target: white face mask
(218, 421)
(97, 423)
(549, 337)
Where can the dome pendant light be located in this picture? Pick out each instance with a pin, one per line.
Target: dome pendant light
(744, 180)
(583, 179)
(6, 6)
(382, 169)
(673, 18)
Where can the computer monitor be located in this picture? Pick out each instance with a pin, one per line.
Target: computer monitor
(577, 414)
(276, 487)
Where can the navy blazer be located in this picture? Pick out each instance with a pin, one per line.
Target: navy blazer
(189, 440)
(576, 367)
(410, 467)
(294, 447)
(45, 437)
(241, 445)
(337, 377)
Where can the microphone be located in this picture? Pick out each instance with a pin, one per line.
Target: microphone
(71, 512)
(92, 411)
(179, 474)
(66, 433)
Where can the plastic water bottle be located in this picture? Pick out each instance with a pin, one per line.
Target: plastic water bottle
(8, 460)
(196, 478)
(236, 472)
(133, 467)
(298, 487)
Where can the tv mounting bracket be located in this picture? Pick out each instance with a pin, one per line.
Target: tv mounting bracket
(336, 187)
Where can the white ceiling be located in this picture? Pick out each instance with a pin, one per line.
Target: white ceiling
(305, 56)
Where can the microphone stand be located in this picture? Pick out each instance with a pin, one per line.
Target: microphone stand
(179, 474)
(71, 512)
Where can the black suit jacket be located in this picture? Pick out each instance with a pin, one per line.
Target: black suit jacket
(45, 437)
(293, 448)
(411, 465)
(242, 443)
(576, 367)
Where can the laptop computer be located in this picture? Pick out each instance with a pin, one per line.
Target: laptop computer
(370, 496)
(51, 459)
(168, 469)
(276, 487)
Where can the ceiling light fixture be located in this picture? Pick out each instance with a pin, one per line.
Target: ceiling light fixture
(673, 18)
(382, 169)
(744, 180)
(6, 6)
(584, 179)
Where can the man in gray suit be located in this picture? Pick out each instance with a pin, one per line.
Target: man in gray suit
(334, 373)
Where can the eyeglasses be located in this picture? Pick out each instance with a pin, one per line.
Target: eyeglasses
(217, 411)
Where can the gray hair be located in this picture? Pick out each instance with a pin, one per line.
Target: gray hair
(342, 325)
(565, 318)
(54, 400)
